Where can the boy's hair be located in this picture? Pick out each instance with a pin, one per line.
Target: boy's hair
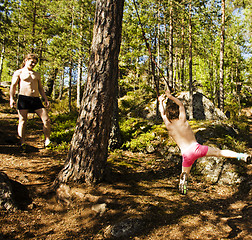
(28, 57)
(171, 110)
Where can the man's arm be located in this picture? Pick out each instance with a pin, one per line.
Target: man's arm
(41, 90)
(14, 82)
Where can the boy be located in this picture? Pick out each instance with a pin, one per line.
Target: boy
(174, 117)
(30, 88)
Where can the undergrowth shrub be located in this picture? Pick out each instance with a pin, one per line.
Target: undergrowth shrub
(133, 104)
(137, 133)
(63, 126)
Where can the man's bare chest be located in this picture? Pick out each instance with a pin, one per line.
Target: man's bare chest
(28, 77)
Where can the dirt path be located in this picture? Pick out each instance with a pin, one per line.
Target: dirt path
(149, 192)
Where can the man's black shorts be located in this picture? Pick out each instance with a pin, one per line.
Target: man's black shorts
(29, 103)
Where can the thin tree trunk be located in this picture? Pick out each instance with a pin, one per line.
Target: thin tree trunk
(50, 81)
(222, 56)
(79, 79)
(61, 88)
(70, 87)
(1, 61)
(80, 61)
(175, 69)
(33, 26)
(71, 66)
(171, 47)
(166, 51)
(190, 65)
(88, 152)
(183, 55)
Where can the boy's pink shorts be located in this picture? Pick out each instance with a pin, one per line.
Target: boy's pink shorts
(194, 152)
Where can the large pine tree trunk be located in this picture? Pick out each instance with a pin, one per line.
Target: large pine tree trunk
(87, 156)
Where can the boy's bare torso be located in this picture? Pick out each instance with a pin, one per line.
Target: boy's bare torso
(181, 132)
(29, 81)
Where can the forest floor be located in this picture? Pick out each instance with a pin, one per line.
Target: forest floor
(140, 186)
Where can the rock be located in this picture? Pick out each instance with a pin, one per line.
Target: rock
(150, 148)
(203, 108)
(124, 228)
(99, 208)
(63, 194)
(6, 193)
(217, 170)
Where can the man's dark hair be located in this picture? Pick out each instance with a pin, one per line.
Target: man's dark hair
(171, 110)
(28, 57)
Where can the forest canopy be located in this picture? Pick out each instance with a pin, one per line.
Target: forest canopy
(184, 39)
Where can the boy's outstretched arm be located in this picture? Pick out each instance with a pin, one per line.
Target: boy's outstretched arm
(182, 112)
(174, 99)
(161, 100)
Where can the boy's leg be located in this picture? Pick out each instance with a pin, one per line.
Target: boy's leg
(215, 152)
(42, 113)
(186, 169)
(22, 115)
(183, 180)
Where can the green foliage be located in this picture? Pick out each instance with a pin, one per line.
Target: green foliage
(133, 127)
(230, 142)
(134, 102)
(63, 126)
(62, 106)
(6, 73)
(140, 142)
(224, 135)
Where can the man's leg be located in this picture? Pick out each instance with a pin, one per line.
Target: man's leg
(42, 113)
(22, 115)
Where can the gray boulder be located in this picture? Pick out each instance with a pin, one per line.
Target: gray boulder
(203, 108)
(6, 193)
(218, 170)
(13, 195)
(124, 228)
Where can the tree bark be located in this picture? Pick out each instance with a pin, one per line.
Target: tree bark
(88, 152)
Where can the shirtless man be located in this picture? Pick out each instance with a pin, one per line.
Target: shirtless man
(30, 88)
(174, 117)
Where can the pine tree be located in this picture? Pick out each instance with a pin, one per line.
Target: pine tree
(87, 156)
